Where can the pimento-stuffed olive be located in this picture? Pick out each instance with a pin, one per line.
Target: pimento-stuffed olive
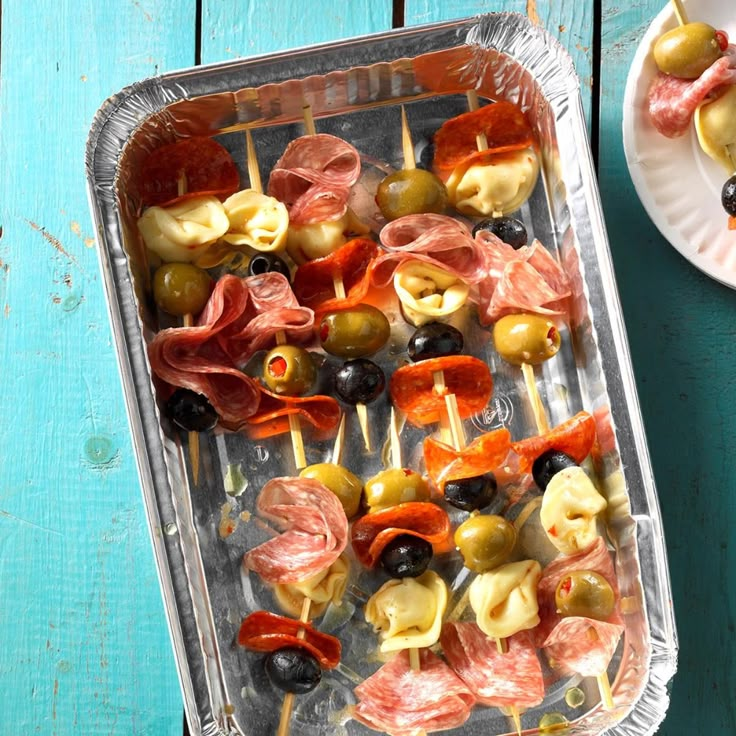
(526, 338)
(687, 51)
(354, 333)
(181, 288)
(585, 593)
(411, 192)
(394, 486)
(289, 370)
(485, 542)
(346, 486)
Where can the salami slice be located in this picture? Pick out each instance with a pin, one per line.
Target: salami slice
(206, 167)
(313, 178)
(413, 390)
(262, 631)
(484, 454)
(582, 645)
(513, 678)
(575, 438)
(315, 530)
(504, 124)
(372, 532)
(402, 702)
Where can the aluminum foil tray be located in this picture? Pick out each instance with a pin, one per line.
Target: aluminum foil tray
(355, 88)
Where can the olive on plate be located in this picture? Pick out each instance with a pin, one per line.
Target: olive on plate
(687, 51)
(190, 411)
(471, 494)
(508, 229)
(346, 486)
(289, 370)
(394, 486)
(262, 263)
(359, 381)
(549, 464)
(181, 288)
(728, 196)
(354, 333)
(526, 338)
(411, 192)
(293, 670)
(485, 542)
(585, 593)
(406, 556)
(435, 340)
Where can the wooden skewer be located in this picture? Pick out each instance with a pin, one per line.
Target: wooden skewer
(339, 442)
(680, 12)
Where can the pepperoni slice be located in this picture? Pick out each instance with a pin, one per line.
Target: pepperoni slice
(262, 631)
(272, 417)
(206, 166)
(314, 283)
(575, 438)
(483, 454)
(504, 124)
(372, 532)
(732, 222)
(413, 390)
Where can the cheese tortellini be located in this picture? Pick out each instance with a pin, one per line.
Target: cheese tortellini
(328, 586)
(505, 599)
(502, 184)
(428, 292)
(308, 242)
(715, 124)
(256, 220)
(183, 231)
(569, 508)
(408, 612)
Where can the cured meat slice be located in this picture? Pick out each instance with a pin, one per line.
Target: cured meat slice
(575, 438)
(315, 530)
(313, 178)
(413, 391)
(372, 532)
(582, 645)
(272, 416)
(402, 702)
(205, 166)
(513, 678)
(314, 281)
(484, 454)
(672, 101)
(504, 124)
(436, 239)
(263, 631)
(596, 558)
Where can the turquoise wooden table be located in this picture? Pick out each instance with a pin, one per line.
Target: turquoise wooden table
(84, 647)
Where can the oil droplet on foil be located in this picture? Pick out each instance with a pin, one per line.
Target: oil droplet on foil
(553, 723)
(170, 529)
(99, 450)
(575, 697)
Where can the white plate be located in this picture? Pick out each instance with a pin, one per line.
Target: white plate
(679, 186)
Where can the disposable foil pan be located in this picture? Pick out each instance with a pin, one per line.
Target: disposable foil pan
(355, 88)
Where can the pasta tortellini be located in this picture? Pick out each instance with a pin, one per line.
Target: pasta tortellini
(428, 292)
(308, 242)
(505, 599)
(256, 220)
(569, 509)
(408, 612)
(715, 124)
(324, 588)
(501, 184)
(183, 231)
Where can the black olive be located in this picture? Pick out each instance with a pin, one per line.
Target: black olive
(435, 340)
(424, 153)
(406, 556)
(728, 196)
(359, 381)
(548, 464)
(190, 411)
(508, 229)
(267, 263)
(293, 669)
(470, 494)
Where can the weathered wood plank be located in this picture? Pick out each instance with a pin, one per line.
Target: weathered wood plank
(681, 331)
(84, 646)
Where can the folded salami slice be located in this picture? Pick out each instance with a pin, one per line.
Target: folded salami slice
(372, 532)
(484, 454)
(262, 631)
(313, 178)
(596, 558)
(672, 101)
(413, 390)
(511, 679)
(403, 702)
(582, 645)
(315, 530)
(314, 281)
(575, 438)
(203, 164)
(504, 124)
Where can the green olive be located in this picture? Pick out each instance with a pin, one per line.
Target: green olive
(181, 288)
(289, 370)
(687, 51)
(526, 338)
(354, 333)
(485, 542)
(585, 593)
(346, 486)
(394, 486)
(411, 192)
